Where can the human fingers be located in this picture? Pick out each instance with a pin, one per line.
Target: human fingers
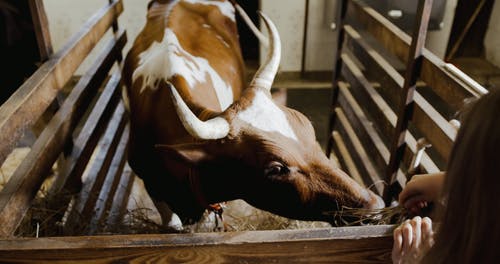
(416, 224)
(427, 232)
(398, 244)
(407, 231)
(398, 239)
(415, 204)
(427, 185)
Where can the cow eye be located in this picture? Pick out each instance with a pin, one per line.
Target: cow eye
(275, 169)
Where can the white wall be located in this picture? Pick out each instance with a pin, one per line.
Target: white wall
(437, 40)
(321, 38)
(492, 38)
(288, 15)
(67, 17)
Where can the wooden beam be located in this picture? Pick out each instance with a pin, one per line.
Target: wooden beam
(366, 244)
(434, 127)
(383, 117)
(405, 109)
(84, 206)
(337, 70)
(41, 27)
(110, 186)
(345, 158)
(70, 176)
(27, 179)
(433, 73)
(364, 128)
(29, 102)
(359, 151)
(121, 198)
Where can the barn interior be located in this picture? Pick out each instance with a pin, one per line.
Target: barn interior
(33, 33)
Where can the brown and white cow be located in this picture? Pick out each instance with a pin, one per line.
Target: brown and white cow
(200, 135)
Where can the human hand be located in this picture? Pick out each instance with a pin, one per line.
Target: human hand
(420, 191)
(412, 240)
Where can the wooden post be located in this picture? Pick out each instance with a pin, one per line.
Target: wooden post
(116, 30)
(413, 69)
(41, 27)
(341, 13)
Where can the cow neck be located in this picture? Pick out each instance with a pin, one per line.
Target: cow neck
(194, 185)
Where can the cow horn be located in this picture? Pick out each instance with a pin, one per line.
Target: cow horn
(215, 128)
(263, 39)
(265, 75)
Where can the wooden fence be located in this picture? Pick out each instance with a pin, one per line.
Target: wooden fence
(90, 120)
(389, 93)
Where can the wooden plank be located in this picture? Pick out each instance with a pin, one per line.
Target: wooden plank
(28, 103)
(393, 81)
(69, 177)
(342, 11)
(110, 185)
(345, 158)
(445, 85)
(41, 27)
(430, 122)
(384, 119)
(364, 129)
(119, 205)
(433, 126)
(366, 244)
(360, 153)
(406, 107)
(376, 66)
(85, 202)
(27, 179)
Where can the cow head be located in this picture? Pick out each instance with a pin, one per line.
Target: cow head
(264, 153)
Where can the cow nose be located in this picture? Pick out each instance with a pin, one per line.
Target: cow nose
(374, 201)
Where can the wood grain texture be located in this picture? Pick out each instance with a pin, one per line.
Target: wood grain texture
(70, 176)
(41, 27)
(446, 86)
(28, 103)
(22, 187)
(368, 244)
(425, 117)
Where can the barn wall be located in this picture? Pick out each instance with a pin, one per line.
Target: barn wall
(288, 15)
(437, 40)
(67, 17)
(492, 38)
(321, 38)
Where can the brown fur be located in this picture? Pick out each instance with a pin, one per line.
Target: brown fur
(188, 173)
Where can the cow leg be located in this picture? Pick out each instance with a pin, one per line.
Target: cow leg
(170, 221)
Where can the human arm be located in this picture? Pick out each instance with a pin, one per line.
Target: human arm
(421, 190)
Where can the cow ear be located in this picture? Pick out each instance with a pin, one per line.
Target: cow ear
(187, 153)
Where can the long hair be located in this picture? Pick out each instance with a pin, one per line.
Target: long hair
(470, 223)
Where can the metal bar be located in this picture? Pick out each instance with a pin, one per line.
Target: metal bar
(413, 69)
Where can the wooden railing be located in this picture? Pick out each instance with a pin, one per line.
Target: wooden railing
(367, 118)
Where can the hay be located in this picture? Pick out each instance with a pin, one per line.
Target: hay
(358, 216)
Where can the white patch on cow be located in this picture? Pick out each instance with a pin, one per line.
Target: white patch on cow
(265, 115)
(206, 26)
(162, 60)
(225, 7)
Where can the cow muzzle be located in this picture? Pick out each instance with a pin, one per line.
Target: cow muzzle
(373, 201)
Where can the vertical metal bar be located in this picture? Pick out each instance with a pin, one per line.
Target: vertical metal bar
(413, 69)
(337, 68)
